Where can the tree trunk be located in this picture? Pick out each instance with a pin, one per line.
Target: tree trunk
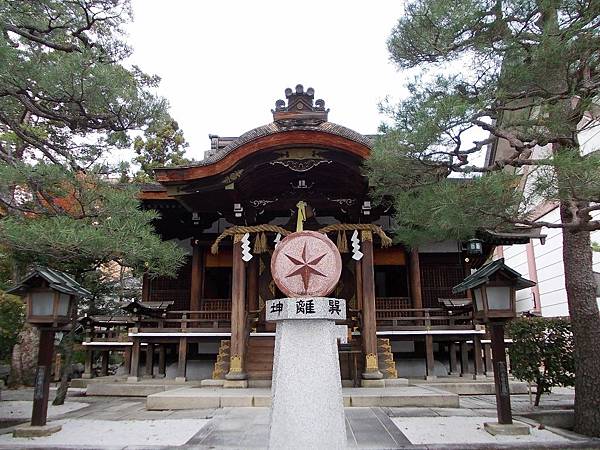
(585, 322)
(67, 351)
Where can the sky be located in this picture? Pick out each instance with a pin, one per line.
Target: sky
(224, 63)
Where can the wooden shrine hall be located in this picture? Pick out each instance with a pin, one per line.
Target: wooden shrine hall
(230, 210)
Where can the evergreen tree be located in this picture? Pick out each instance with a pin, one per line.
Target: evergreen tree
(66, 101)
(520, 76)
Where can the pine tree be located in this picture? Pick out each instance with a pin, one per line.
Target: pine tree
(520, 76)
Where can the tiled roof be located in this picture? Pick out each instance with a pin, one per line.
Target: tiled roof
(483, 275)
(273, 128)
(59, 281)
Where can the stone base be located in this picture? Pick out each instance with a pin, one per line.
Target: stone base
(372, 383)
(514, 429)
(392, 382)
(235, 384)
(209, 382)
(375, 375)
(180, 379)
(86, 375)
(480, 377)
(430, 377)
(30, 431)
(133, 379)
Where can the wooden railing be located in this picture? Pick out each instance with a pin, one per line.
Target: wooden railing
(422, 318)
(396, 312)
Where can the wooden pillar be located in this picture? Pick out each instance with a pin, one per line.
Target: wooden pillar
(477, 357)
(464, 359)
(127, 360)
(453, 360)
(88, 369)
(487, 352)
(149, 360)
(238, 317)
(197, 273)
(104, 363)
(415, 279)
(42, 378)
(162, 360)
(134, 371)
(369, 325)
(500, 374)
(429, 358)
(145, 288)
(182, 361)
(252, 291)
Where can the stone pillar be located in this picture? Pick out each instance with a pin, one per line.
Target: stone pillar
(464, 359)
(237, 376)
(307, 404)
(134, 372)
(429, 358)
(477, 358)
(104, 363)
(453, 360)
(372, 377)
(182, 361)
(149, 361)
(162, 360)
(89, 358)
(487, 352)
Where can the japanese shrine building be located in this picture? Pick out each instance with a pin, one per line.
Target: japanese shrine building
(399, 300)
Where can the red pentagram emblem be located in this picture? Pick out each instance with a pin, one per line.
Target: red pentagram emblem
(306, 263)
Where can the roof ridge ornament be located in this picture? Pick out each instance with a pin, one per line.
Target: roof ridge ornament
(301, 109)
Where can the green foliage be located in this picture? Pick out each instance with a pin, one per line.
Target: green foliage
(12, 319)
(65, 97)
(542, 352)
(163, 145)
(86, 222)
(501, 76)
(66, 100)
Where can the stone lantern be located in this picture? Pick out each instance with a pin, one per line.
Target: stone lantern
(493, 290)
(51, 298)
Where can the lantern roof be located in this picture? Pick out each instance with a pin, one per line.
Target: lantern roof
(59, 281)
(487, 272)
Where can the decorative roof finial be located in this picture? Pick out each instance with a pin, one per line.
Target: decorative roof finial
(300, 109)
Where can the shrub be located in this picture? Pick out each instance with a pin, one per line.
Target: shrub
(542, 352)
(12, 318)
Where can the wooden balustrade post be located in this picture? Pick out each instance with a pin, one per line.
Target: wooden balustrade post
(127, 360)
(182, 360)
(104, 363)
(487, 352)
(429, 358)
(453, 360)
(464, 359)
(134, 372)
(149, 360)
(371, 375)
(477, 357)
(162, 360)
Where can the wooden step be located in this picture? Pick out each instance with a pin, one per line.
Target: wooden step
(259, 374)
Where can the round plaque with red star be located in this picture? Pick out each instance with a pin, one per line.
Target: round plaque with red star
(306, 264)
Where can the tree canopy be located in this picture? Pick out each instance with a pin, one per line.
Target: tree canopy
(491, 128)
(67, 100)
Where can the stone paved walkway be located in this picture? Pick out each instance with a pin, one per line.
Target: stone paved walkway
(367, 427)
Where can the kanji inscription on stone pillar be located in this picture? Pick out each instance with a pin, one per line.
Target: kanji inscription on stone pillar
(306, 264)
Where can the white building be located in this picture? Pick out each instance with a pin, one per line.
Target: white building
(543, 263)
